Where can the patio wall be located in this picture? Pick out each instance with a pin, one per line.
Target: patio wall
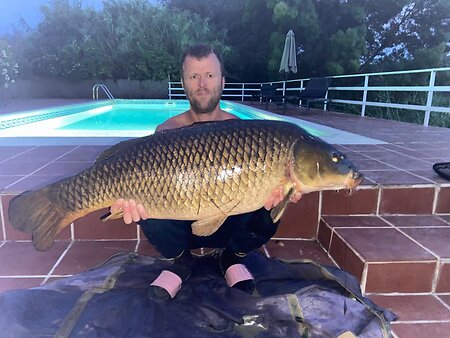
(65, 89)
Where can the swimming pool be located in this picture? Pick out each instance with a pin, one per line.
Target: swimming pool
(107, 122)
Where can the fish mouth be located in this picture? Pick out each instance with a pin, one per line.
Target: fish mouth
(354, 178)
(351, 181)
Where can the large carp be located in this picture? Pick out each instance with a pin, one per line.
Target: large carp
(204, 172)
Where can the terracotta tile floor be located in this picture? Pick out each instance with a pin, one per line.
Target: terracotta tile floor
(31, 268)
(401, 215)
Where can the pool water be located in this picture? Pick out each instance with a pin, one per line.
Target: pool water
(146, 117)
(135, 118)
(127, 117)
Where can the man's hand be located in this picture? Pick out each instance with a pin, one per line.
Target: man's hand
(131, 210)
(277, 196)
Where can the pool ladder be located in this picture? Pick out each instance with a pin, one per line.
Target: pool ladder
(105, 89)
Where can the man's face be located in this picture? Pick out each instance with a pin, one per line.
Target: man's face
(203, 83)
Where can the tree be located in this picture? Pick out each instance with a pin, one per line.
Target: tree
(133, 39)
(8, 66)
(250, 42)
(342, 37)
(225, 18)
(126, 40)
(60, 44)
(183, 29)
(123, 30)
(398, 30)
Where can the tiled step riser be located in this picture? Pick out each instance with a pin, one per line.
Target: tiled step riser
(384, 258)
(386, 277)
(390, 277)
(443, 285)
(412, 277)
(301, 220)
(387, 200)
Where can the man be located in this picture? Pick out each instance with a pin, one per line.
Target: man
(203, 81)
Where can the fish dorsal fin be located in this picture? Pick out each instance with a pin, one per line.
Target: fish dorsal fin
(208, 226)
(278, 211)
(117, 148)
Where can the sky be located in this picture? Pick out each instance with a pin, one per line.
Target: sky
(12, 10)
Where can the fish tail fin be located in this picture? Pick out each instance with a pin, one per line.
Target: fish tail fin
(34, 213)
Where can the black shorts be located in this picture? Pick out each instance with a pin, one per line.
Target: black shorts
(240, 233)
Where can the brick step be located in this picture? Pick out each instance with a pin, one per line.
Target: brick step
(301, 220)
(391, 253)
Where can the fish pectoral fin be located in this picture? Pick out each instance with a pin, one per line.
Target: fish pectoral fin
(208, 226)
(278, 210)
(108, 216)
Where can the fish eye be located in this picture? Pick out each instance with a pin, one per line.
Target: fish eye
(335, 157)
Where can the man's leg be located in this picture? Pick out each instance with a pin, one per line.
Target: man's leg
(171, 239)
(251, 233)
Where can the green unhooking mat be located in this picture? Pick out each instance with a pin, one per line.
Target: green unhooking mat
(296, 299)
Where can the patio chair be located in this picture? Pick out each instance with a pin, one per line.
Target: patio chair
(315, 91)
(266, 94)
(442, 169)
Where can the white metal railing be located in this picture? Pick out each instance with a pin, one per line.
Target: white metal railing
(95, 89)
(243, 91)
(428, 107)
(232, 90)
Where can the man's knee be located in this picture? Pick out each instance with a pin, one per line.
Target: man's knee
(169, 237)
(153, 228)
(248, 240)
(270, 229)
(261, 224)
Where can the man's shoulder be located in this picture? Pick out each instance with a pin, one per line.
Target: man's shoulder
(171, 123)
(183, 119)
(229, 116)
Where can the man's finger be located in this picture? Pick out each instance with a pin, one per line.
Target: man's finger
(134, 211)
(126, 213)
(278, 196)
(296, 197)
(269, 203)
(116, 206)
(142, 211)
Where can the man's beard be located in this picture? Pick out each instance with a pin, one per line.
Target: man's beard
(210, 105)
